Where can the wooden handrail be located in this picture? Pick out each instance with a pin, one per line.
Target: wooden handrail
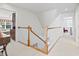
(54, 27)
(38, 36)
(45, 41)
(29, 43)
(31, 31)
(46, 37)
(22, 27)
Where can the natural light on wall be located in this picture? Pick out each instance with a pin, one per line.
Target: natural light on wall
(5, 24)
(5, 20)
(68, 21)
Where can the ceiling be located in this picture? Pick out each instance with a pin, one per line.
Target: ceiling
(40, 7)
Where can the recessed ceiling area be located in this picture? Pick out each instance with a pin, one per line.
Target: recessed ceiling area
(41, 7)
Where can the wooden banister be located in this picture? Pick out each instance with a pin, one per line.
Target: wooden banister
(38, 36)
(45, 49)
(29, 28)
(22, 27)
(46, 37)
(54, 27)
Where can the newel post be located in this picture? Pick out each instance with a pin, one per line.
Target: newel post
(29, 28)
(46, 37)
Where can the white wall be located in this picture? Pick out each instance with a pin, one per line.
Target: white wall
(77, 25)
(5, 14)
(47, 17)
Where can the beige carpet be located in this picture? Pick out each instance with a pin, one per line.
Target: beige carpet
(65, 47)
(17, 49)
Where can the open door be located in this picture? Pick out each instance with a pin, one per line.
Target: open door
(12, 31)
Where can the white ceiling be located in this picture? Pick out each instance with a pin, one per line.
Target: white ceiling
(40, 7)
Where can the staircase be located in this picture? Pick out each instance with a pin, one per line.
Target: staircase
(33, 44)
(34, 40)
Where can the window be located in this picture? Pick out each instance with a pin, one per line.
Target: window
(69, 24)
(5, 24)
(68, 21)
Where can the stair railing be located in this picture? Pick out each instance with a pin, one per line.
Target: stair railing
(45, 50)
(50, 28)
(29, 39)
(29, 28)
